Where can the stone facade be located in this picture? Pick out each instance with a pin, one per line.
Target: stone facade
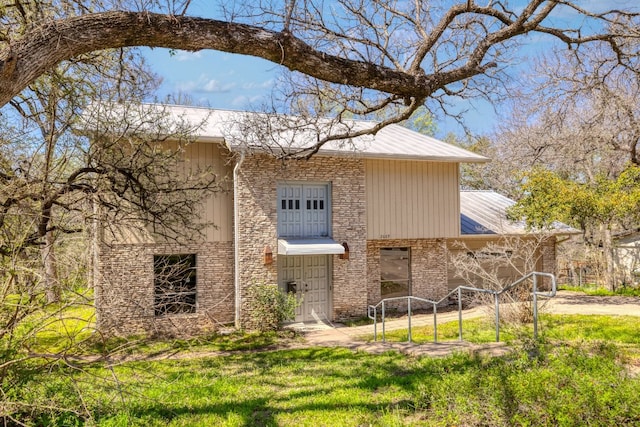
(124, 291)
(428, 268)
(257, 199)
(125, 283)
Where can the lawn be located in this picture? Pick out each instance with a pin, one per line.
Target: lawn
(575, 375)
(618, 329)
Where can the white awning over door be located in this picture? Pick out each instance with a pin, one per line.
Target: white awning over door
(320, 246)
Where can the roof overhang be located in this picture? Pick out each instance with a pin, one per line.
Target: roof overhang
(321, 246)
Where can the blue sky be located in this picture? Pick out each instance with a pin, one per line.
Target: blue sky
(228, 81)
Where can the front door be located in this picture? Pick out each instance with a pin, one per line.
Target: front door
(308, 277)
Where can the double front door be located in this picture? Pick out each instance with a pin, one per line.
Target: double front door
(308, 277)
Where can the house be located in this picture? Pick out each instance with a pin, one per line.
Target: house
(626, 257)
(504, 246)
(363, 219)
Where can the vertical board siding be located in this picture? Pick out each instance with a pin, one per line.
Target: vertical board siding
(412, 200)
(217, 209)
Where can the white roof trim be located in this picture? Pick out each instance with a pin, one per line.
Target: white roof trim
(297, 246)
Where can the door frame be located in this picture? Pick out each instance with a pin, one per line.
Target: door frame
(282, 285)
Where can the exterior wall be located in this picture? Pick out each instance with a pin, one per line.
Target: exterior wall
(412, 199)
(543, 259)
(626, 256)
(124, 294)
(257, 196)
(428, 267)
(216, 210)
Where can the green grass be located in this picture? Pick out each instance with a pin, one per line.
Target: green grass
(576, 374)
(620, 329)
(595, 290)
(562, 385)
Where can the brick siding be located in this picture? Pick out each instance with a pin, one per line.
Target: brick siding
(124, 291)
(258, 180)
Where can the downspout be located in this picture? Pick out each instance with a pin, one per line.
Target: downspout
(236, 240)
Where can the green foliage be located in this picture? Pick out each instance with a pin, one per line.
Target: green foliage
(269, 307)
(602, 292)
(548, 197)
(619, 329)
(572, 385)
(422, 122)
(474, 176)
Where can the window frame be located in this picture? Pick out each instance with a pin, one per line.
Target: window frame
(386, 279)
(167, 300)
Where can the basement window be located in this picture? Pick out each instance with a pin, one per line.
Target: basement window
(395, 275)
(174, 284)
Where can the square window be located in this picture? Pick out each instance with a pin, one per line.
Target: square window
(395, 275)
(174, 284)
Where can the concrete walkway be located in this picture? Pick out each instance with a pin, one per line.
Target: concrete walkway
(338, 335)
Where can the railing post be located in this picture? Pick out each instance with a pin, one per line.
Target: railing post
(535, 306)
(435, 323)
(375, 324)
(384, 338)
(497, 300)
(409, 315)
(459, 314)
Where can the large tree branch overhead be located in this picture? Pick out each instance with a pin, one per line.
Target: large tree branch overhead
(37, 51)
(331, 52)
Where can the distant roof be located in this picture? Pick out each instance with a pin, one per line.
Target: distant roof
(485, 212)
(391, 142)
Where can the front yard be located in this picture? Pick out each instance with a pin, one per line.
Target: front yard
(583, 372)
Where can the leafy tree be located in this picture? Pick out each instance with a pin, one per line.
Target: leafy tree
(598, 207)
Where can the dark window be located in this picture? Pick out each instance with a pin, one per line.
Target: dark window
(175, 284)
(321, 204)
(297, 204)
(290, 204)
(308, 204)
(395, 277)
(284, 204)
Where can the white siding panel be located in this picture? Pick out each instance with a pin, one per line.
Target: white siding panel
(218, 208)
(412, 199)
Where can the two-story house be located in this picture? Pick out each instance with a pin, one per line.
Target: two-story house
(357, 222)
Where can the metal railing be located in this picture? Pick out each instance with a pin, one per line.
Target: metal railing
(496, 294)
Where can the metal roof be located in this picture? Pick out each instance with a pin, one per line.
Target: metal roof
(391, 142)
(485, 213)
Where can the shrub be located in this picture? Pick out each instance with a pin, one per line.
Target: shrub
(269, 307)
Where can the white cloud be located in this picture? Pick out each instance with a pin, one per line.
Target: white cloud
(204, 84)
(215, 86)
(183, 55)
(256, 85)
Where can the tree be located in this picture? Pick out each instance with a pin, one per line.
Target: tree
(72, 152)
(579, 120)
(597, 208)
(368, 55)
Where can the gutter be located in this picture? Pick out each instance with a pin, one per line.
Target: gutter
(236, 240)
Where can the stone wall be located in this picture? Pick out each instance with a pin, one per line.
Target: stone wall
(124, 293)
(428, 267)
(257, 199)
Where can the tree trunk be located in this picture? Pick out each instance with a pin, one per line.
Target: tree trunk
(51, 282)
